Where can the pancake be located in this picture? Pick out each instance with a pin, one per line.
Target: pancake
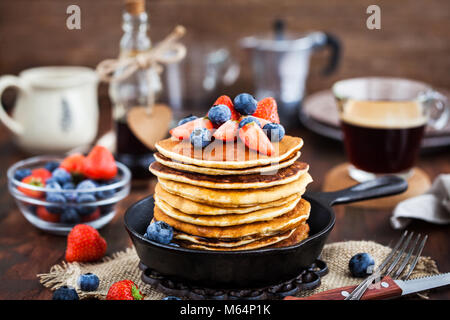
(259, 243)
(300, 234)
(233, 155)
(213, 171)
(282, 176)
(228, 219)
(220, 243)
(285, 222)
(191, 207)
(238, 197)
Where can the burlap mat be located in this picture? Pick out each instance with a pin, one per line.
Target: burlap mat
(124, 265)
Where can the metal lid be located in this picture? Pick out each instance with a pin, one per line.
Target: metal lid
(289, 41)
(280, 41)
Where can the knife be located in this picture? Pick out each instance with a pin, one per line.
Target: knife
(385, 289)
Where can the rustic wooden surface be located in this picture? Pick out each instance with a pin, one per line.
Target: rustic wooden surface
(26, 251)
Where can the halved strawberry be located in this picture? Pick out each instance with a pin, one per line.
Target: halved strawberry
(227, 131)
(227, 101)
(254, 138)
(267, 109)
(184, 131)
(33, 181)
(42, 173)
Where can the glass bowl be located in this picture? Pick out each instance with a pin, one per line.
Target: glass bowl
(96, 213)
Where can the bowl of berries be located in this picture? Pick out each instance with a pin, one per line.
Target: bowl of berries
(56, 193)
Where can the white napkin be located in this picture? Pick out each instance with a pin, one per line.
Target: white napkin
(432, 206)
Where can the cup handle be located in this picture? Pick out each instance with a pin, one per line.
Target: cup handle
(328, 40)
(5, 82)
(437, 102)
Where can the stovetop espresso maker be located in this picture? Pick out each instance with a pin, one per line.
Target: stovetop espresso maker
(280, 65)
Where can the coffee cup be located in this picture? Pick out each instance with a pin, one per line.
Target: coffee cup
(383, 121)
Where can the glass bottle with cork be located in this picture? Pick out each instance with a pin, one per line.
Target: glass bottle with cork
(133, 91)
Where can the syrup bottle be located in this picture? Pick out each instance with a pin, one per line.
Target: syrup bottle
(133, 91)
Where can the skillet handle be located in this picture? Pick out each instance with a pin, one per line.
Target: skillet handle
(377, 188)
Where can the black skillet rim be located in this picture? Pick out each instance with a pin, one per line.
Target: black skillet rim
(252, 251)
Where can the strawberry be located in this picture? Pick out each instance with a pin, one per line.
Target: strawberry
(73, 163)
(227, 131)
(184, 131)
(99, 164)
(254, 138)
(227, 101)
(32, 181)
(263, 122)
(91, 217)
(43, 214)
(84, 244)
(267, 109)
(42, 173)
(124, 290)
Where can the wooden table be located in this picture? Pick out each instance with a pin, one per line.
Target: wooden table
(26, 251)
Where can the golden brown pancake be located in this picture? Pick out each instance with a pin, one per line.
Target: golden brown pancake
(285, 222)
(232, 155)
(197, 208)
(270, 168)
(256, 244)
(282, 176)
(238, 197)
(300, 234)
(227, 219)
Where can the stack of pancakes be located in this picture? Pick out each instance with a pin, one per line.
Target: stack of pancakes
(228, 197)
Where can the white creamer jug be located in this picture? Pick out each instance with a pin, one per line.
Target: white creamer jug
(56, 108)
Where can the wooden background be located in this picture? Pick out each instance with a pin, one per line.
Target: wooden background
(414, 40)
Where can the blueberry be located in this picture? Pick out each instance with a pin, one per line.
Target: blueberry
(246, 120)
(21, 174)
(219, 114)
(245, 104)
(51, 166)
(160, 232)
(65, 293)
(32, 208)
(70, 216)
(61, 175)
(86, 185)
(88, 282)
(275, 132)
(56, 197)
(171, 298)
(53, 185)
(104, 194)
(361, 265)
(200, 137)
(187, 119)
(86, 209)
(51, 180)
(71, 196)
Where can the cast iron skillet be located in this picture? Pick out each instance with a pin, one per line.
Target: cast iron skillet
(251, 268)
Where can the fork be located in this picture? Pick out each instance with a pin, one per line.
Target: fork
(395, 263)
(397, 254)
